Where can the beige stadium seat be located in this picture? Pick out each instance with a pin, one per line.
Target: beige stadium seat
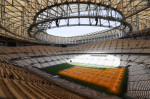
(26, 84)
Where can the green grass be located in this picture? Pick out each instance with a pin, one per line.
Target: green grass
(124, 83)
(55, 69)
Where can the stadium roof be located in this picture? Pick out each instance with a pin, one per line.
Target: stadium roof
(28, 19)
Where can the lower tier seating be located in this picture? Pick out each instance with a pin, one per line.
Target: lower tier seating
(139, 82)
(18, 82)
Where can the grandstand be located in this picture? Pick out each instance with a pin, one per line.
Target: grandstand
(111, 63)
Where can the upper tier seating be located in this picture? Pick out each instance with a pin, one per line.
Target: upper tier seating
(111, 46)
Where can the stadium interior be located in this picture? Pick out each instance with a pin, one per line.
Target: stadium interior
(110, 63)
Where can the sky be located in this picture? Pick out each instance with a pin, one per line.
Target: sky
(74, 30)
(70, 31)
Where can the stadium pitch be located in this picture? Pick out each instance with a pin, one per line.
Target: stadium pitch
(107, 79)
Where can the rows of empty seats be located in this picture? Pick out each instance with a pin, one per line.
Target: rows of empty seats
(139, 81)
(111, 46)
(18, 82)
(43, 61)
(103, 60)
(43, 56)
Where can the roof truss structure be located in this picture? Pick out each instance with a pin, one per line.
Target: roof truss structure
(16, 16)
